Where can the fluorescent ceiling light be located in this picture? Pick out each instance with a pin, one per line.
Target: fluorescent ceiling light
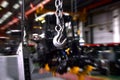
(1, 21)
(20, 2)
(5, 16)
(4, 4)
(8, 14)
(4, 37)
(16, 6)
(13, 31)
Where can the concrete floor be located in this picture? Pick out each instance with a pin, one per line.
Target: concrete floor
(51, 78)
(45, 76)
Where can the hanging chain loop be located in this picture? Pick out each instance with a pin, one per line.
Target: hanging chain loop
(58, 41)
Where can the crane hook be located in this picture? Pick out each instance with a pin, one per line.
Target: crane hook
(57, 40)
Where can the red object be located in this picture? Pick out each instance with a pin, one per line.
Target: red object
(105, 44)
(93, 78)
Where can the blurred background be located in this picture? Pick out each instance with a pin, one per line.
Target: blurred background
(27, 29)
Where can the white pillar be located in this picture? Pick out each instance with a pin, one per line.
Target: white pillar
(116, 26)
(3, 69)
(81, 40)
(20, 61)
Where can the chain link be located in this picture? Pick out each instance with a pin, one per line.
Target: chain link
(57, 40)
(59, 14)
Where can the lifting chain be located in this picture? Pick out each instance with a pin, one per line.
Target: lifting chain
(58, 41)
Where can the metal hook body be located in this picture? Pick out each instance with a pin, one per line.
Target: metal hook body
(57, 40)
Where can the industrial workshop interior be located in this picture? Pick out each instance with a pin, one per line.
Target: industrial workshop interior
(59, 39)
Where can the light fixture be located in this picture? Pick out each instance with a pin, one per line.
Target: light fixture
(13, 31)
(4, 4)
(20, 2)
(16, 6)
(8, 14)
(1, 21)
(4, 37)
(5, 16)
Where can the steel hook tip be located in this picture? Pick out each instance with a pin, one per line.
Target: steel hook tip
(57, 43)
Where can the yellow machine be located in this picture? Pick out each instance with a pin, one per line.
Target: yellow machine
(81, 74)
(75, 70)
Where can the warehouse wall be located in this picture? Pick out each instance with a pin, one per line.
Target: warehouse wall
(103, 29)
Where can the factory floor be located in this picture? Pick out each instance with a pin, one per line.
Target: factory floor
(48, 76)
(110, 77)
(98, 78)
(44, 76)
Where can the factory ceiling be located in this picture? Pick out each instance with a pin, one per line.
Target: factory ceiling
(10, 10)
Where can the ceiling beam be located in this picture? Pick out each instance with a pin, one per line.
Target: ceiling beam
(28, 12)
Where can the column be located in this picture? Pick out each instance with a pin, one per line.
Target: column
(116, 26)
